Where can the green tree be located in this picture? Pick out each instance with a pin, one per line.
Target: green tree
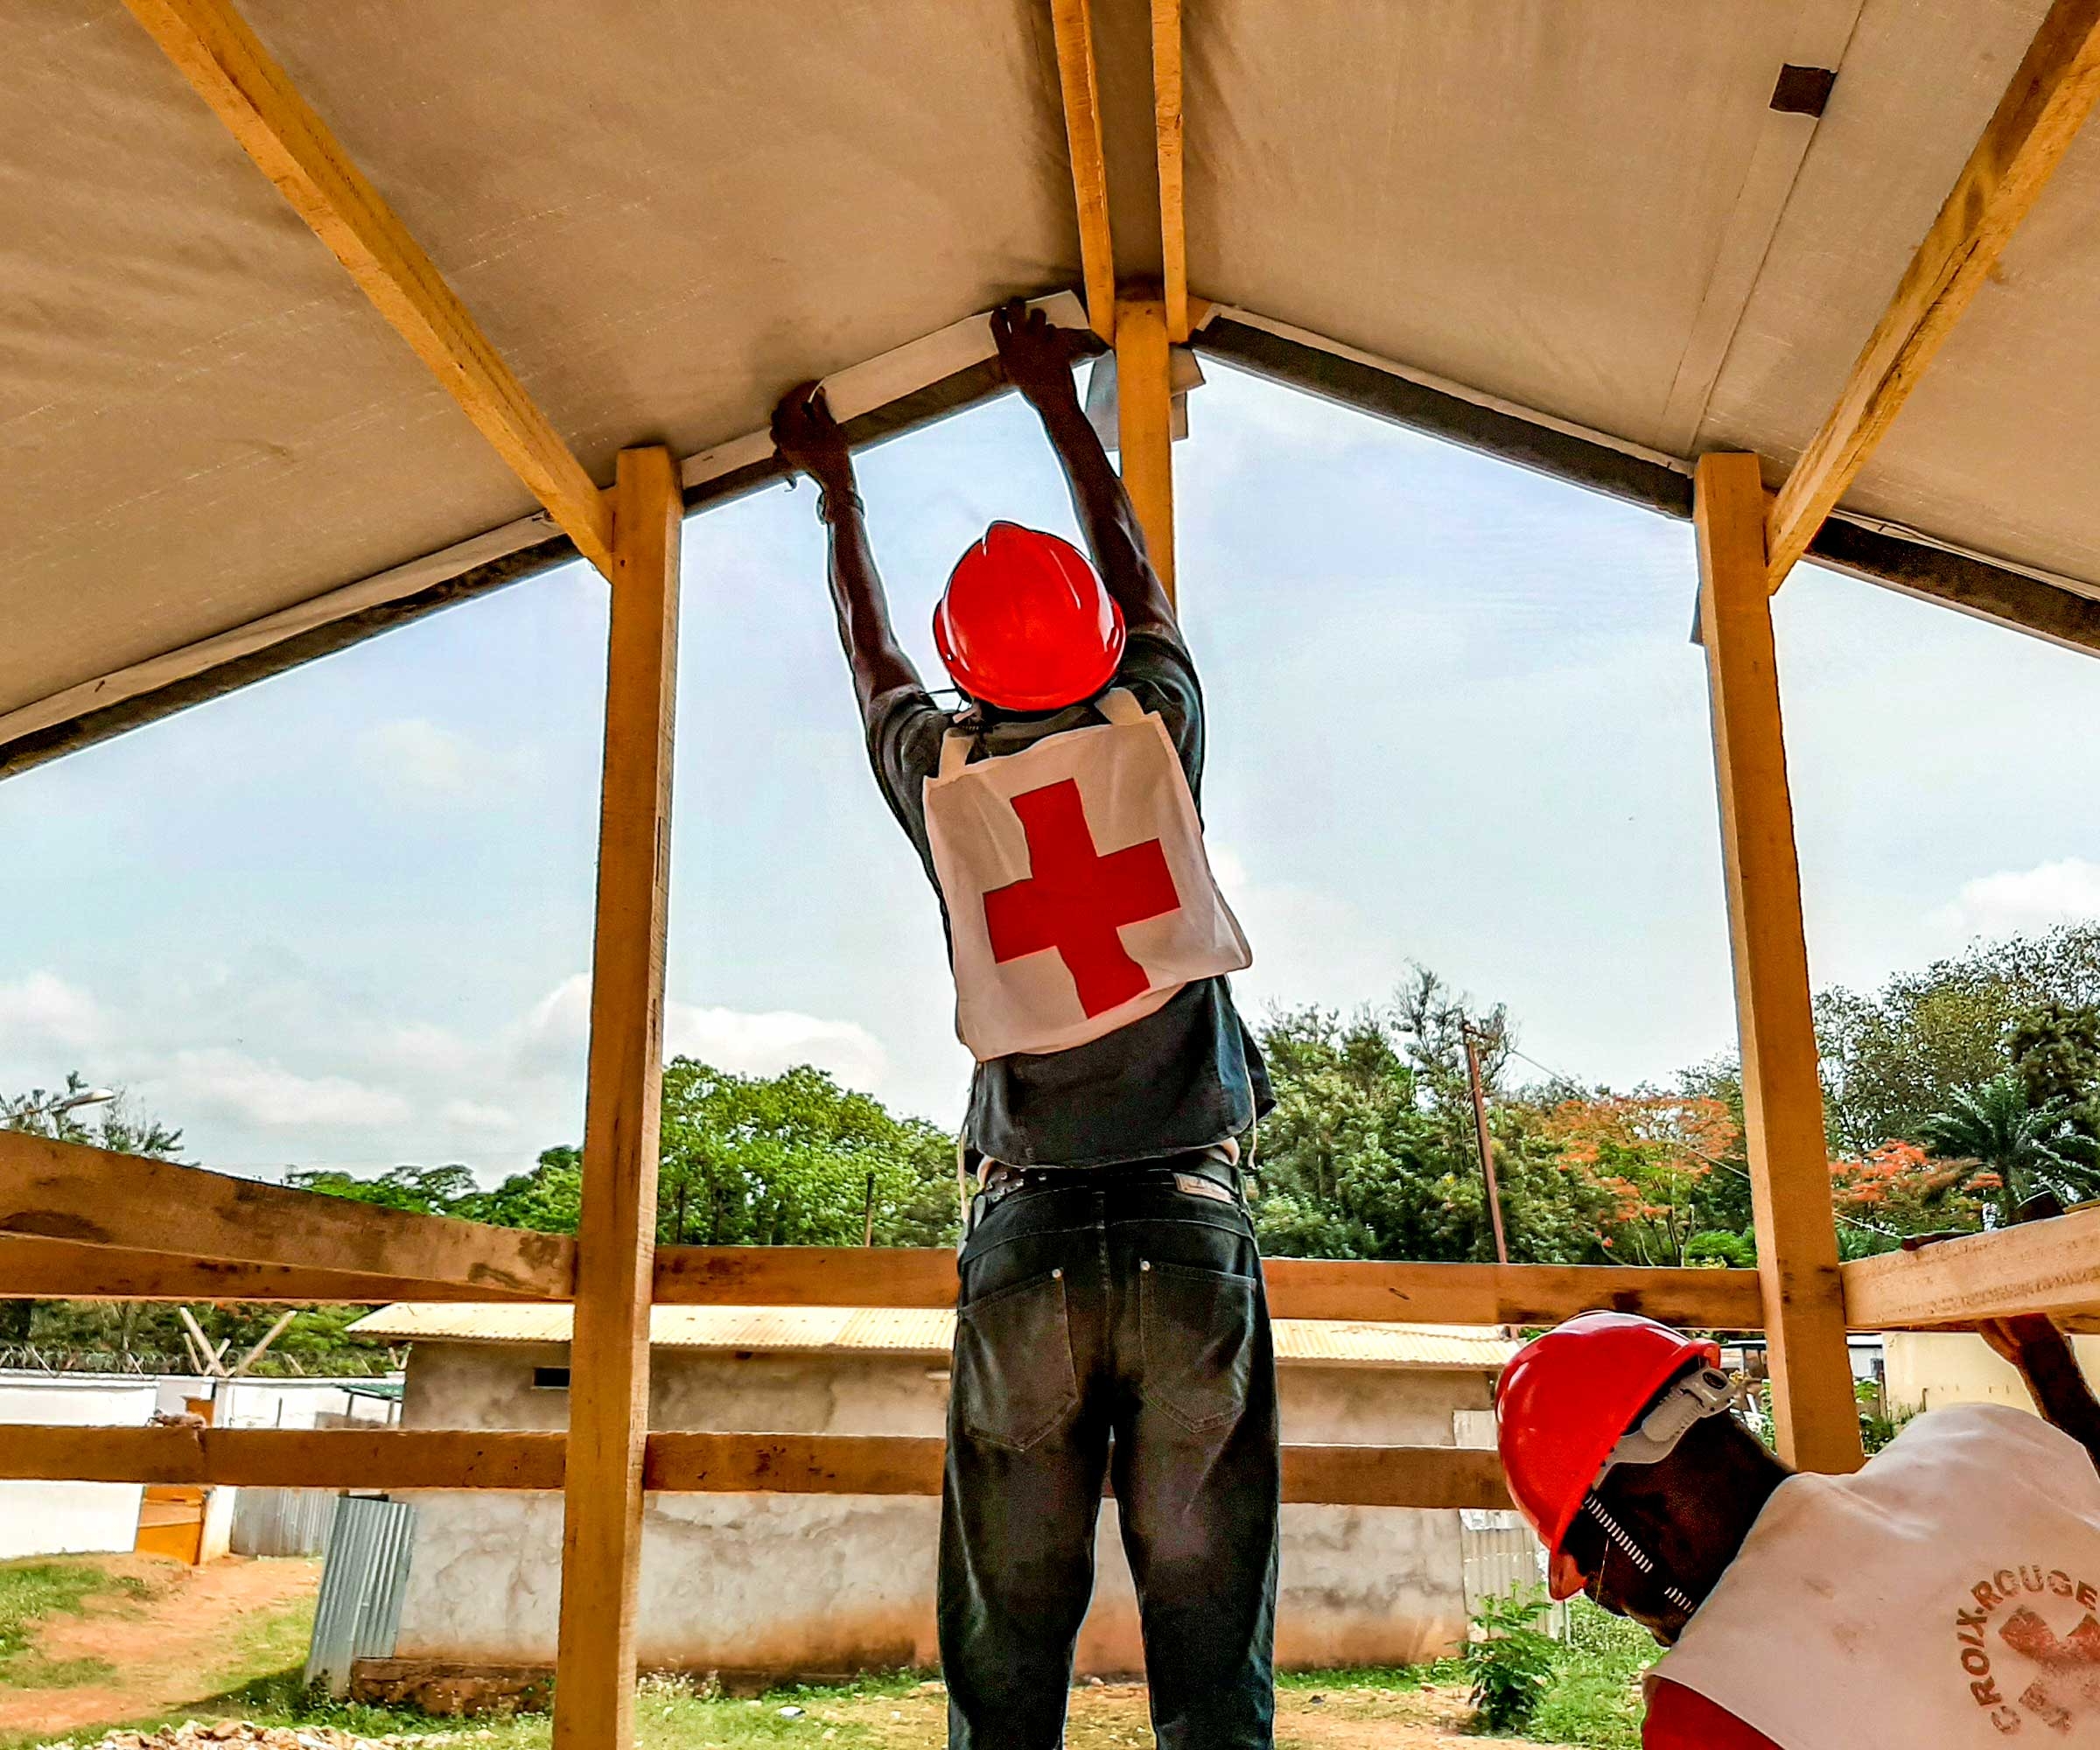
(2055, 1052)
(2019, 1149)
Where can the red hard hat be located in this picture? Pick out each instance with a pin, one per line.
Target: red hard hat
(1026, 624)
(1565, 1399)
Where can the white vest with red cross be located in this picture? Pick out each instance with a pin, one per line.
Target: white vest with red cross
(1079, 896)
(1947, 1595)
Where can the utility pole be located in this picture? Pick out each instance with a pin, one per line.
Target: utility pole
(868, 1233)
(1479, 1125)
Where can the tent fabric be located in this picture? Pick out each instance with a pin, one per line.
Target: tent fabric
(662, 215)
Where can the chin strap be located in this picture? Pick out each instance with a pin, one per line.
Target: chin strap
(1633, 1552)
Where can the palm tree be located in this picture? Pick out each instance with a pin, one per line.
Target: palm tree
(2026, 1148)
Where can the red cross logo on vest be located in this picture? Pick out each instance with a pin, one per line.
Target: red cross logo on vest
(1079, 896)
(1076, 900)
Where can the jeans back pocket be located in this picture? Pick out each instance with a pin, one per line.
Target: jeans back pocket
(1014, 1381)
(1197, 1327)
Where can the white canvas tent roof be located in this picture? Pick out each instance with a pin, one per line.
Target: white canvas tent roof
(1575, 232)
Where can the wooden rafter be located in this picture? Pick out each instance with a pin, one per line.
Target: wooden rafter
(212, 47)
(2050, 1267)
(69, 1191)
(2036, 119)
(1815, 1419)
(1073, 22)
(1167, 130)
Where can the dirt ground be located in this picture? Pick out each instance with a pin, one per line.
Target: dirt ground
(1112, 1717)
(185, 1642)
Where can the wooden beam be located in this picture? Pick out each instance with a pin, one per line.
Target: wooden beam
(67, 1269)
(2043, 107)
(1814, 1415)
(609, 1395)
(1072, 21)
(1145, 414)
(1167, 132)
(286, 1458)
(67, 1191)
(2050, 1267)
(1299, 1288)
(212, 47)
(677, 1463)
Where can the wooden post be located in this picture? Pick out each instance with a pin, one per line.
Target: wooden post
(1144, 425)
(616, 1245)
(1813, 1409)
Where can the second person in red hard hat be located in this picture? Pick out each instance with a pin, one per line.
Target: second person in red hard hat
(1948, 1594)
(1111, 1311)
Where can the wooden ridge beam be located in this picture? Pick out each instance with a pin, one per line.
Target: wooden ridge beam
(1072, 21)
(676, 1463)
(2036, 119)
(1167, 148)
(212, 47)
(66, 1269)
(67, 1191)
(2050, 1267)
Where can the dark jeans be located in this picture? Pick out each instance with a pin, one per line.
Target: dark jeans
(1110, 1322)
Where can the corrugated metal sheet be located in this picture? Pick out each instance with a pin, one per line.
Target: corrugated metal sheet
(283, 1522)
(908, 1330)
(363, 1582)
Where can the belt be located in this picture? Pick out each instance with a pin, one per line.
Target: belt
(1203, 1173)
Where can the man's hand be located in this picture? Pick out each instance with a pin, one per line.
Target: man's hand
(1036, 357)
(809, 439)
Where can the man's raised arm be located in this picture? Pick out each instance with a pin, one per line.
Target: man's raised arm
(2052, 1376)
(808, 439)
(1038, 360)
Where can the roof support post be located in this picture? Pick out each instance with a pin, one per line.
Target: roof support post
(1144, 425)
(1814, 1413)
(616, 1244)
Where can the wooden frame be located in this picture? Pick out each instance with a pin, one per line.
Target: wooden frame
(1144, 413)
(2036, 119)
(70, 1269)
(1813, 1413)
(2051, 1268)
(609, 1399)
(212, 47)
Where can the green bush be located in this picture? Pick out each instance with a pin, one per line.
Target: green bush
(1512, 1662)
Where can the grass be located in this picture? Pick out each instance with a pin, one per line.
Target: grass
(1594, 1697)
(33, 1591)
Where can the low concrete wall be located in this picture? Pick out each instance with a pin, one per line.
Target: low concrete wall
(71, 1518)
(822, 1584)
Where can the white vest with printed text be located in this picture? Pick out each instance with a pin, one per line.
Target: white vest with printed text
(1080, 898)
(1948, 1595)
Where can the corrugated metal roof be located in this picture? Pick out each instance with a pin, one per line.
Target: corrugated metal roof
(908, 1330)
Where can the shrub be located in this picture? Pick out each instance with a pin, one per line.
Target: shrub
(1512, 1662)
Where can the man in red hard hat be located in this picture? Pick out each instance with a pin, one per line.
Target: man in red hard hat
(1110, 1298)
(1948, 1594)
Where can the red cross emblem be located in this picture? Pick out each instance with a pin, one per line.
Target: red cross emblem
(1076, 900)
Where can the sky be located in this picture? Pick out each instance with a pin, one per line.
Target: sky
(343, 918)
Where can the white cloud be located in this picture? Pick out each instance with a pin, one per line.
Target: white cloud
(473, 1115)
(418, 758)
(43, 1010)
(2016, 901)
(218, 1078)
(557, 1032)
